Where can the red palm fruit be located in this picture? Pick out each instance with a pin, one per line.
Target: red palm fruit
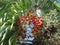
(23, 22)
(35, 29)
(38, 20)
(35, 20)
(23, 17)
(36, 25)
(27, 18)
(42, 22)
(39, 24)
(34, 17)
(39, 17)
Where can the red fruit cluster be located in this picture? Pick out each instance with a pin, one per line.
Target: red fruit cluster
(22, 20)
(38, 22)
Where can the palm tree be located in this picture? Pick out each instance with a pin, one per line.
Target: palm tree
(11, 10)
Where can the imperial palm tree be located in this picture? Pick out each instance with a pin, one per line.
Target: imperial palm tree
(11, 10)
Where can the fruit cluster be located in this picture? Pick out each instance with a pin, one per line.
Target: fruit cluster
(37, 21)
